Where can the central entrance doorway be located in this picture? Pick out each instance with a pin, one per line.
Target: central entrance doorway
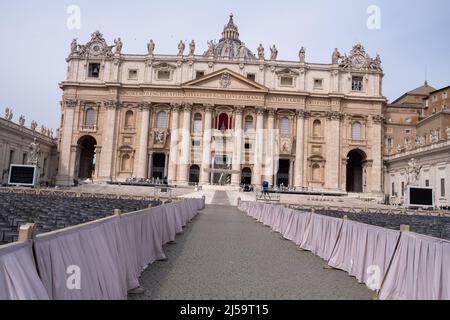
(86, 165)
(158, 165)
(355, 160)
(283, 172)
(222, 163)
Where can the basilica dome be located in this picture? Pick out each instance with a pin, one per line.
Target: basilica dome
(229, 45)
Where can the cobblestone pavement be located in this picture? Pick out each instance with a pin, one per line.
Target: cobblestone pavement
(224, 254)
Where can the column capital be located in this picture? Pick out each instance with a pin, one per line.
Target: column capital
(270, 112)
(334, 115)
(187, 107)
(259, 111)
(175, 107)
(377, 118)
(238, 109)
(208, 107)
(303, 114)
(144, 105)
(70, 103)
(111, 104)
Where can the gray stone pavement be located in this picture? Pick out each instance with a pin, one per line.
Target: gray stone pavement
(224, 254)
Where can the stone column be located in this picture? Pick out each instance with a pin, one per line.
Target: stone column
(333, 155)
(141, 171)
(258, 150)
(166, 164)
(206, 155)
(65, 173)
(174, 134)
(108, 139)
(185, 145)
(299, 148)
(270, 147)
(376, 172)
(150, 163)
(237, 147)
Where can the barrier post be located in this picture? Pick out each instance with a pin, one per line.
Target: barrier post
(117, 212)
(405, 228)
(238, 200)
(204, 201)
(27, 231)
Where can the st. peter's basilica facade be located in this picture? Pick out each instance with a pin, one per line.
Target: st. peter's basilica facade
(227, 116)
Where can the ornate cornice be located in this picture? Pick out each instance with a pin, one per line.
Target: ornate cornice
(378, 119)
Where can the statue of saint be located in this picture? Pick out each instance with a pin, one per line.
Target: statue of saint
(412, 172)
(273, 53)
(181, 47)
(151, 47)
(261, 52)
(336, 56)
(74, 47)
(8, 114)
(22, 121)
(33, 125)
(242, 51)
(35, 153)
(119, 45)
(211, 47)
(302, 55)
(192, 48)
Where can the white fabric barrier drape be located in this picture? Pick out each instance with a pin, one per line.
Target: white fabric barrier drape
(321, 235)
(364, 251)
(420, 270)
(19, 279)
(110, 253)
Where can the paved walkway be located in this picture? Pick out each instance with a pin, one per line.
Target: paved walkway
(224, 254)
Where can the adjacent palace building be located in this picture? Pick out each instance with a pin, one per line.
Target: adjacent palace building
(227, 116)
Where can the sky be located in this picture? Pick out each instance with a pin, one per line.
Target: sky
(412, 38)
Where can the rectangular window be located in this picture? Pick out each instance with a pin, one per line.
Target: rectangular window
(94, 70)
(442, 187)
(24, 158)
(444, 95)
(132, 74)
(163, 75)
(286, 81)
(403, 188)
(408, 131)
(318, 83)
(247, 146)
(445, 107)
(357, 83)
(196, 143)
(11, 157)
(251, 76)
(44, 166)
(199, 74)
(389, 142)
(434, 110)
(427, 183)
(393, 189)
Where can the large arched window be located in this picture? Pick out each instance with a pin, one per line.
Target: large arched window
(248, 126)
(316, 174)
(126, 163)
(129, 119)
(356, 131)
(161, 120)
(197, 122)
(89, 119)
(284, 125)
(317, 128)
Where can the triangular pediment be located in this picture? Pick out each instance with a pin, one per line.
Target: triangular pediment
(225, 79)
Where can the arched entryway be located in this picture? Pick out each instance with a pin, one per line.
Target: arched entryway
(355, 160)
(86, 166)
(194, 174)
(246, 176)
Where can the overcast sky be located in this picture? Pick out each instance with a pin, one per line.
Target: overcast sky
(34, 38)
